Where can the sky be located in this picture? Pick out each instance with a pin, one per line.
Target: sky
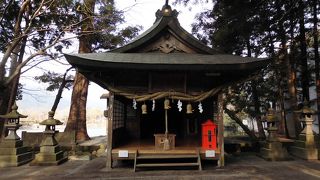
(37, 101)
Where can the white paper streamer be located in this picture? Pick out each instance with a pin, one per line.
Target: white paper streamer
(179, 105)
(200, 107)
(134, 104)
(153, 105)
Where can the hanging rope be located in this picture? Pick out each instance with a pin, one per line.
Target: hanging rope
(168, 94)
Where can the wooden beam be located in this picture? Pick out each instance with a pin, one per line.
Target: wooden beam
(220, 129)
(110, 130)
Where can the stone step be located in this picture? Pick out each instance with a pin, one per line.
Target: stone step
(38, 162)
(14, 151)
(308, 154)
(50, 156)
(15, 160)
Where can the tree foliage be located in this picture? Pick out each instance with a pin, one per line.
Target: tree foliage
(272, 28)
(54, 80)
(37, 31)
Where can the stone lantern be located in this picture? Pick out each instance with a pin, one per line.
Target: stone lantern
(305, 147)
(12, 151)
(13, 122)
(50, 151)
(272, 148)
(271, 119)
(307, 120)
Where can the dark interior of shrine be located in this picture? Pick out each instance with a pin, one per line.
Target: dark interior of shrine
(130, 125)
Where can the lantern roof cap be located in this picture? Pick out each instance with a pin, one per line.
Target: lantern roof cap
(13, 114)
(306, 110)
(51, 121)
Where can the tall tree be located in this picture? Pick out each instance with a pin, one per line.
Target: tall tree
(92, 39)
(77, 115)
(303, 50)
(40, 26)
(262, 28)
(315, 12)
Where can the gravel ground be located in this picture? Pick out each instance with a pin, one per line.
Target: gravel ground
(240, 166)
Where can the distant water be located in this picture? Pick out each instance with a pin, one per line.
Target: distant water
(93, 130)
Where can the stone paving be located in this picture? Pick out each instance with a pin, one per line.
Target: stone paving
(240, 166)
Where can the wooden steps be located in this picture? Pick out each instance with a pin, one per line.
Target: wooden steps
(164, 156)
(167, 160)
(166, 164)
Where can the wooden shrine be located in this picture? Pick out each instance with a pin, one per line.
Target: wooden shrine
(162, 87)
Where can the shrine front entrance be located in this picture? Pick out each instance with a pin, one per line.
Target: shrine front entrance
(133, 129)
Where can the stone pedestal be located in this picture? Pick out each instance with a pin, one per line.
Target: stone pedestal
(305, 146)
(50, 152)
(12, 151)
(272, 149)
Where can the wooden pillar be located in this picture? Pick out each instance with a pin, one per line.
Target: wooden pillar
(110, 129)
(220, 129)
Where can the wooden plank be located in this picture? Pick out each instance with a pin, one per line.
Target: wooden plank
(186, 156)
(110, 129)
(167, 164)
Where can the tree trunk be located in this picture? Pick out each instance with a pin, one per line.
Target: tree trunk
(8, 92)
(257, 110)
(233, 116)
(60, 90)
(15, 82)
(4, 99)
(282, 73)
(293, 126)
(316, 54)
(303, 51)
(256, 99)
(77, 115)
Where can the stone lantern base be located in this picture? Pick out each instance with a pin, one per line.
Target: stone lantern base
(13, 153)
(49, 156)
(274, 151)
(50, 152)
(302, 150)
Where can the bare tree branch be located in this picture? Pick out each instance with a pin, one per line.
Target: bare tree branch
(13, 45)
(40, 52)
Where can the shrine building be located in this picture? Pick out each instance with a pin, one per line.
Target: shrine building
(165, 95)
